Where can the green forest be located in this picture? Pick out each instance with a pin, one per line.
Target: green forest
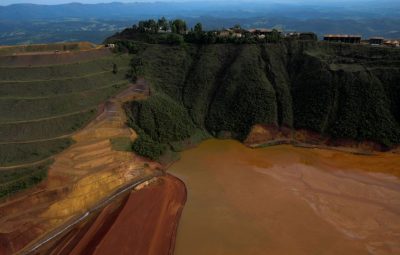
(337, 90)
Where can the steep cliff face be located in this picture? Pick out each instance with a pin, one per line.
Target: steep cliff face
(347, 91)
(338, 91)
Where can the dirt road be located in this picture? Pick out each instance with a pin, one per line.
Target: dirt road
(143, 223)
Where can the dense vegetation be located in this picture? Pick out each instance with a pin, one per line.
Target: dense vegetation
(162, 121)
(176, 32)
(339, 91)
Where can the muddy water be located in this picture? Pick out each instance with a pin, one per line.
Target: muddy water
(286, 200)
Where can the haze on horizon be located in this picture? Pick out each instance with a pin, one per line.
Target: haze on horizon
(55, 2)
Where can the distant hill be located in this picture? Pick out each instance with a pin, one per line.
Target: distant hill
(29, 23)
(224, 9)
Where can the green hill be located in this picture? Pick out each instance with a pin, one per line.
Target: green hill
(41, 106)
(338, 90)
(198, 90)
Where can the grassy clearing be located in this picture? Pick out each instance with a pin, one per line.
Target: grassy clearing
(121, 143)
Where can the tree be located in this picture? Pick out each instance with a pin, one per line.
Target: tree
(115, 68)
(148, 26)
(152, 26)
(173, 39)
(179, 26)
(198, 28)
(142, 26)
(163, 24)
(275, 36)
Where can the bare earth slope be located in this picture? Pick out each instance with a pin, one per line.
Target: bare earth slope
(80, 177)
(145, 223)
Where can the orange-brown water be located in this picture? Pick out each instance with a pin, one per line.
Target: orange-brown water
(287, 200)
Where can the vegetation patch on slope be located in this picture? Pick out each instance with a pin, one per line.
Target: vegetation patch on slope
(159, 120)
(12, 181)
(121, 143)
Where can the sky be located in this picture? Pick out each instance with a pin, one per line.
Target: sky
(7, 2)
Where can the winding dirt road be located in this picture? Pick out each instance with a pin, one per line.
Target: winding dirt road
(145, 224)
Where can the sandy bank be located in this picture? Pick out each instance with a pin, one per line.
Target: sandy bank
(266, 135)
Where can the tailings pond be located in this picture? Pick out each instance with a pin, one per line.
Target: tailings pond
(287, 200)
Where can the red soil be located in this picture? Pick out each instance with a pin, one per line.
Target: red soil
(146, 223)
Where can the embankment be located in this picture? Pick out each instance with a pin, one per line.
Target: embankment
(144, 222)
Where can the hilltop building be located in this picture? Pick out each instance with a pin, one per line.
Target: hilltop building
(239, 32)
(308, 36)
(343, 38)
(110, 45)
(392, 43)
(376, 40)
(231, 32)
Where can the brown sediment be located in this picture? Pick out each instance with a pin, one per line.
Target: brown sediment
(143, 223)
(81, 176)
(287, 200)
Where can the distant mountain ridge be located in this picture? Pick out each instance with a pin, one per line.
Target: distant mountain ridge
(31, 23)
(354, 10)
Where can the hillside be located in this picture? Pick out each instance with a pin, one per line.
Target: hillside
(42, 104)
(334, 92)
